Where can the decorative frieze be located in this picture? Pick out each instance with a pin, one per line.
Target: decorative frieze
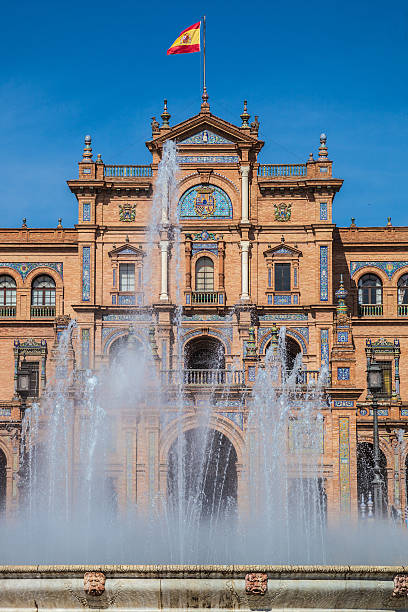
(25, 268)
(389, 267)
(86, 273)
(205, 137)
(324, 274)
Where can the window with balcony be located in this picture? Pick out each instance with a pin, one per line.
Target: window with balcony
(204, 282)
(386, 373)
(370, 295)
(126, 277)
(43, 297)
(8, 296)
(403, 295)
(282, 277)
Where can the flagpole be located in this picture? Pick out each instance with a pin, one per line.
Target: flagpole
(204, 80)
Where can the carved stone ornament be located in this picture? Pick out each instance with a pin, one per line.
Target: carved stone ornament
(256, 583)
(127, 212)
(94, 583)
(400, 586)
(283, 212)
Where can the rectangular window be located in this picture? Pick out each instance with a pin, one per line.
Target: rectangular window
(126, 277)
(33, 369)
(386, 371)
(282, 277)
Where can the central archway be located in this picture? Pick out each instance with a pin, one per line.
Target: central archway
(202, 475)
(204, 353)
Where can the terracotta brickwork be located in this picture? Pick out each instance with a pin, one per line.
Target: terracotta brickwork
(273, 214)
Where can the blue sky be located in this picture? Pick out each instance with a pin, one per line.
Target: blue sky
(69, 69)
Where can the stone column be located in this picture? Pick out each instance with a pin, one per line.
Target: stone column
(164, 247)
(221, 260)
(244, 194)
(244, 269)
(187, 250)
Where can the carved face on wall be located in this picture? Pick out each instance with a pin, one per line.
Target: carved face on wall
(256, 583)
(400, 586)
(94, 583)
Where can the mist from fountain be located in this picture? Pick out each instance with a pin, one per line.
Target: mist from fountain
(79, 458)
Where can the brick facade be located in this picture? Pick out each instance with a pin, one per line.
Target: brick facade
(289, 222)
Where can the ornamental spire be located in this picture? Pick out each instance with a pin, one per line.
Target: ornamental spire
(245, 116)
(165, 116)
(87, 154)
(323, 152)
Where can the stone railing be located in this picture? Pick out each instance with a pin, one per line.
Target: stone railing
(204, 297)
(370, 310)
(43, 311)
(282, 170)
(209, 378)
(403, 310)
(127, 171)
(7, 311)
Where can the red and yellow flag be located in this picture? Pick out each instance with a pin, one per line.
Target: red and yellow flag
(188, 41)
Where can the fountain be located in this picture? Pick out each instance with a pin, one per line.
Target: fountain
(71, 512)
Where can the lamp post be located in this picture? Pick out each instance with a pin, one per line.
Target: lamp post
(374, 383)
(23, 382)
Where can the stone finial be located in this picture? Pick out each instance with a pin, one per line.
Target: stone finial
(152, 342)
(24, 224)
(165, 115)
(282, 238)
(251, 343)
(245, 116)
(99, 159)
(94, 583)
(205, 107)
(323, 153)
(255, 126)
(274, 336)
(400, 585)
(353, 222)
(59, 226)
(363, 507)
(256, 583)
(389, 224)
(370, 506)
(127, 238)
(311, 159)
(155, 126)
(87, 155)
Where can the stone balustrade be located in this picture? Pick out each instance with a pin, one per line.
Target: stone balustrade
(127, 171)
(282, 170)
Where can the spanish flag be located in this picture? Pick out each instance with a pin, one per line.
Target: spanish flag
(188, 41)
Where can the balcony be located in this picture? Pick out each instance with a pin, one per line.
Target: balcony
(42, 311)
(370, 310)
(403, 310)
(282, 170)
(127, 171)
(203, 378)
(208, 298)
(7, 311)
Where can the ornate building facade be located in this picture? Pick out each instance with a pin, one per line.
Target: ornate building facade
(259, 251)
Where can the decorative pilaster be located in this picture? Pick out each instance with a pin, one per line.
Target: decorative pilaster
(245, 244)
(221, 263)
(244, 194)
(164, 247)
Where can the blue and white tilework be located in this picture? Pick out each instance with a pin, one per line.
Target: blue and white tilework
(282, 300)
(25, 268)
(323, 211)
(389, 267)
(324, 347)
(343, 404)
(342, 336)
(205, 137)
(86, 211)
(208, 159)
(86, 274)
(222, 204)
(343, 373)
(324, 274)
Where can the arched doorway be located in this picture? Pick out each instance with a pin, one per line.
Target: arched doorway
(365, 474)
(3, 482)
(204, 353)
(290, 351)
(202, 476)
(119, 348)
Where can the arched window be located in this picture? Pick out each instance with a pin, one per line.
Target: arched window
(7, 291)
(204, 276)
(369, 290)
(43, 291)
(403, 289)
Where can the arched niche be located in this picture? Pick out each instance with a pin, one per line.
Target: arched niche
(205, 202)
(204, 353)
(202, 478)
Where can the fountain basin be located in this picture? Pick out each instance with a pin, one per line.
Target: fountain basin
(217, 587)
